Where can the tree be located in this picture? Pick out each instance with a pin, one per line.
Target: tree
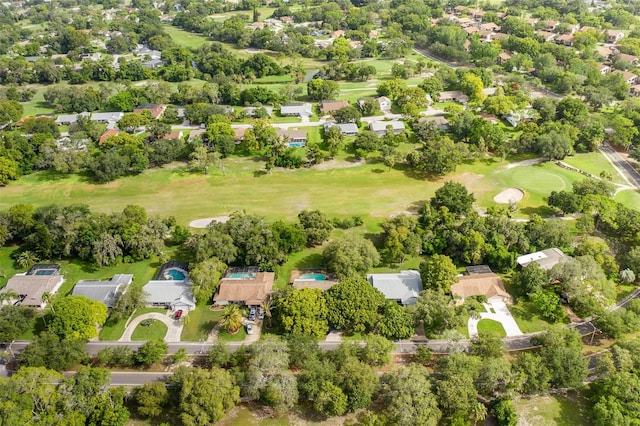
(330, 401)
(401, 237)
(41, 401)
(231, 318)
(377, 350)
(151, 398)
(201, 159)
(50, 351)
(408, 397)
(206, 276)
(303, 311)
(221, 137)
(348, 114)
(455, 197)
(562, 352)
(128, 302)
(206, 396)
(26, 259)
(554, 145)
(627, 276)
(14, 320)
(353, 305)
(10, 112)
(219, 355)
(350, 256)
(395, 322)
(436, 311)
(151, 352)
(438, 273)
(319, 89)
(76, 317)
(8, 170)
(505, 413)
(615, 399)
(106, 249)
(316, 226)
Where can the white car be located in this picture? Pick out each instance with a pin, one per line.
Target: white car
(249, 329)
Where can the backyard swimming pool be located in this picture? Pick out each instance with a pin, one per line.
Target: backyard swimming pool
(242, 275)
(175, 274)
(313, 277)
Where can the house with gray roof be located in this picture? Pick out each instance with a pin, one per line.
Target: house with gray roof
(251, 111)
(403, 287)
(347, 129)
(107, 117)
(299, 110)
(380, 127)
(105, 292)
(153, 64)
(547, 259)
(170, 294)
(66, 119)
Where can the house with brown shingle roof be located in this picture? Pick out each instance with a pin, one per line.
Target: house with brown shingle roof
(31, 287)
(156, 110)
(489, 285)
(327, 107)
(249, 289)
(613, 36)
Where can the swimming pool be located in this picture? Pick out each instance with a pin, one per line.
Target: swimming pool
(44, 272)
(175, 274)
(242, 275)
(296, 144)
(313, 277)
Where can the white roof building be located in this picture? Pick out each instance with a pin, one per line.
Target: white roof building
(403, 287)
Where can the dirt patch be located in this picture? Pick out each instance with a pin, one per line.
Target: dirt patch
(509, 195)
(203, 223)
(337, 164)
(524, 163)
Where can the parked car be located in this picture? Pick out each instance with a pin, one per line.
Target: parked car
(252, 314)
(260, 314)
(249, 329)
(178, 314)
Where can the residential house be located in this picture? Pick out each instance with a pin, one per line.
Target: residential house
(546, 36)
(31, 286)
(403, 288)
(441, 123)
(565, 40)
(488, 284)
(489, 26)
(551, 25)
(250, 288)
(453, 96)
(156, 110)
(153, 64)
(311, 278)
(172, 136)
(239, 134)
(347, 129)
(327, 107)
(66, 119)
(171, 288)
(107, 134)
(574, 28)
(635, 90)
(531, 21)
(373, 34)
(338, 33)
(106, 117)
(300, 110)
(105, 292)
(633, 60)
(385, 103)
(489, 118)
(251, 111)
(603, 69)
(628, 77)
(503, 57)
(380, 128)
(489, 91)
(514, 118)
(547, 259)
(613, 36)
(195, 133)
(293, 137)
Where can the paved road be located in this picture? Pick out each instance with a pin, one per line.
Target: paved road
(623, 164)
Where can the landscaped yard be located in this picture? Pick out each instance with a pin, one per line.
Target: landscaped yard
(488, 327)
(223, 336)
(557, 410)
(201, 322)
(149, 330)
(527, 317)
(594, 163)
(112, 331)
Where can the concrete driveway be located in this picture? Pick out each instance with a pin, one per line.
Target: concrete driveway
(501, 315)
(174, 328)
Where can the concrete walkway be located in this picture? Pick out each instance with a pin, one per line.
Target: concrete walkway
(174, 327)
(501, 315)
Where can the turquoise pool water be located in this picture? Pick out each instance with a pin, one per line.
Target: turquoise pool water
(44, 272)
(242, 275)
(296, 144)
(175, 274)
(314, 277)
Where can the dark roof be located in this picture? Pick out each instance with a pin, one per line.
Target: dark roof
(478, 269)
(43, 266)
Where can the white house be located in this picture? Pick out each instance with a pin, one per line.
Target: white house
(380, 127)
(403, 287)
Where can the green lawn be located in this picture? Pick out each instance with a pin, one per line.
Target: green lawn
(488, 327)
(345, 188)
(113, 330)
(223, 336)
(630, 198)
(556, 410)
(201, 322)
(156, 331)
(527, 317)
(185, 38)
(594, 163)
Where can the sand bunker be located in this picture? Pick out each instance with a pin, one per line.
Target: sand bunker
(509, 195)
(203, 223)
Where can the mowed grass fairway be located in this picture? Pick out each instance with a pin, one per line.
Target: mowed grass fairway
(558, 410)
(369, 190)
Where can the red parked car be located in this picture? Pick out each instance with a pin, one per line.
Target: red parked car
(178, 314)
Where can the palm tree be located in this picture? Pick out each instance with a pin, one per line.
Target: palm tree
(267, 304)
(8, 296)
(231, 318)
(48, 299)
(26, 259)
